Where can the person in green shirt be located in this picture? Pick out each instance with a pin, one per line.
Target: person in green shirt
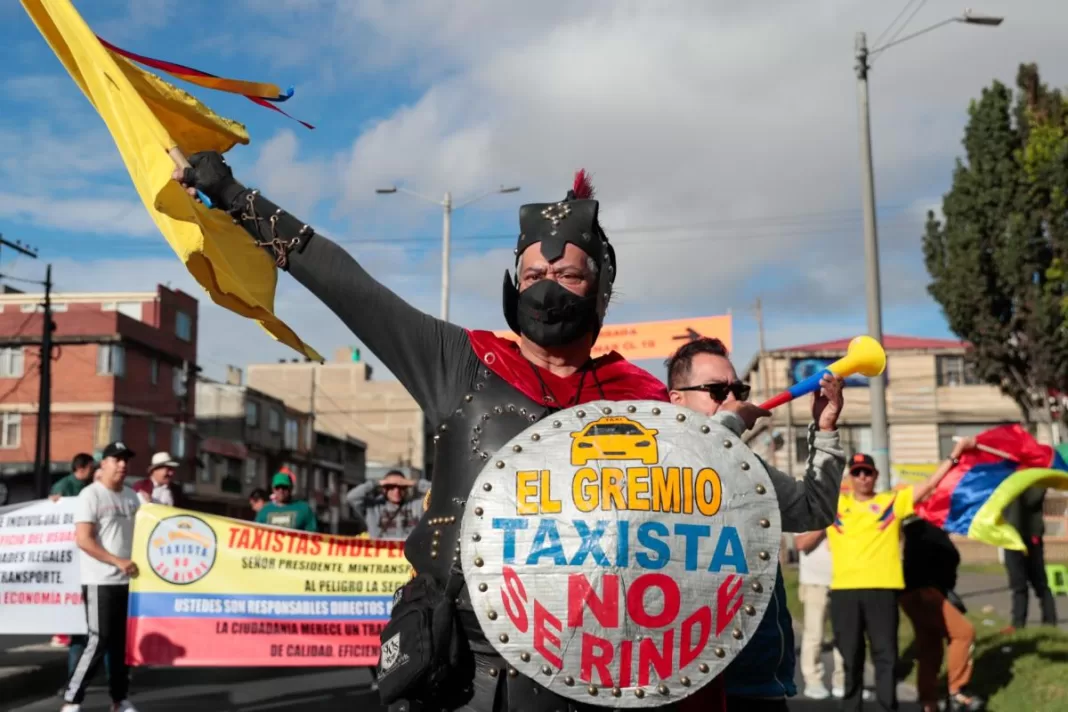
(80, 477)
(283, 511)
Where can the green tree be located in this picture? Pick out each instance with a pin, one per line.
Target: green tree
(998, 261)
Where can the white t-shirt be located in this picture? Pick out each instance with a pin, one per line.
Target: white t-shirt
(816, 566)
(113, 514)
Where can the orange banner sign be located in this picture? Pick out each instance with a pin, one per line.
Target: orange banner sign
(653, 339)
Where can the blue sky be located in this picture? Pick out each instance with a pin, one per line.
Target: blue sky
(721, 137)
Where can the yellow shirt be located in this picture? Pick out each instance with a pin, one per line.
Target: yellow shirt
(865, 541)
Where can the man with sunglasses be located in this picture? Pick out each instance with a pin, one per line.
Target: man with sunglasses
(702, 378)
(867, 574)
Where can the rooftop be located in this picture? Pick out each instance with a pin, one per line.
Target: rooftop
(890, 343)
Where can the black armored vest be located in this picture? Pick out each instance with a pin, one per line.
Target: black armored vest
(490, 415)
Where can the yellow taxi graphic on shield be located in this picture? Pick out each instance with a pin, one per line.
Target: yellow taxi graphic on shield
(614, 438)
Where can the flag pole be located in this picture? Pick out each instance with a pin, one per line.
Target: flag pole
(991, 450)
(183, 163)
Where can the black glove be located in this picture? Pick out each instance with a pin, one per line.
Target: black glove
(211, 176)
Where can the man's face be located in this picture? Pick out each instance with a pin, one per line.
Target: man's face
(394, 493)
(163, 475)
(256, 504)
(283, 494)
(84, 473)
(864, 480)
(113, 471)
(706, 369)
(571, 271)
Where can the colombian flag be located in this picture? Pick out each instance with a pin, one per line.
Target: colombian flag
(970, 499)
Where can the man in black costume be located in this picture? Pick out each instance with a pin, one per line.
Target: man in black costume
(477, 390)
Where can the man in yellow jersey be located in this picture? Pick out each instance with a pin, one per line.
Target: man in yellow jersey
(867, 574)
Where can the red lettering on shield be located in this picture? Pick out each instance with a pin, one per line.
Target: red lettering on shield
(514, 599)
(636, 601)
(726, 604)
(596, 654)
(580, 594)
(689, 649)
(542, 634)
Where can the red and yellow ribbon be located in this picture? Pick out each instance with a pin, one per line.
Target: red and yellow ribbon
(256, 92)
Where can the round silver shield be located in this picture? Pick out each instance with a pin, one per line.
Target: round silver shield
(621, 553)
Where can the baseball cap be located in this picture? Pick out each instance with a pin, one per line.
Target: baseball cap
(860, 461)
(118, 450)
(281, 479)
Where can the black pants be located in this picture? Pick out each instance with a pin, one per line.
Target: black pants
(1024, 568)
(105, 612)
(872, 612)
(755, 704)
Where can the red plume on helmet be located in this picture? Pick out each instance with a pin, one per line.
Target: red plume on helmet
(583, 188)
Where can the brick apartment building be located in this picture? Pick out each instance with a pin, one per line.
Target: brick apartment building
(123, 369)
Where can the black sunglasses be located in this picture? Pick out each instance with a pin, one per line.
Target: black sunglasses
(862, 472)
(719, 390)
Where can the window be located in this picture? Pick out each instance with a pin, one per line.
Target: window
(111, 360)
(178, 380)
(946, 433)
(183, 326)
(955, 371)
(12, 362)
(292, 434)
(109, 427)
(274, 420)
(251, 470)
(252, 414)
(177, 442)
(39, 308)
(155, 371)
(10, 430)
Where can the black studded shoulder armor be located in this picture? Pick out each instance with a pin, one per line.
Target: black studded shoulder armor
(490, 415)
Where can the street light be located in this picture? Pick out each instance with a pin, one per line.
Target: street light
(879, 432)
(446, 230)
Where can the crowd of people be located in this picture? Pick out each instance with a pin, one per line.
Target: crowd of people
(478, 391)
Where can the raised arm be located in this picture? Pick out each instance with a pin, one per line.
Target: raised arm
(811, 503)
(431, 358)
(924, 489)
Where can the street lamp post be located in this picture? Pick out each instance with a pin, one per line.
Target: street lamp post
(879, 432)
(446, 230)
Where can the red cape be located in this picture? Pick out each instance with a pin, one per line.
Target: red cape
(617, 378)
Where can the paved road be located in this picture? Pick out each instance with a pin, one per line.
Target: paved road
(232, 690)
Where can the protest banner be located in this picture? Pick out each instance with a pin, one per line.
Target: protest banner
(40, 584)
(621, 554)
(218, 592)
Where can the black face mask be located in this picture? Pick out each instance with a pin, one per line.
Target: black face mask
(550, 315)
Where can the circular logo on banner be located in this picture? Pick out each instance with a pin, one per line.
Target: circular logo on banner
(621, 554)
(181, 549)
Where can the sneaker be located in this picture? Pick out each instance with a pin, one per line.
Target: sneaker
(816, 692)
(123, 706)
(961, 702)
(70, 708)
(838, 692)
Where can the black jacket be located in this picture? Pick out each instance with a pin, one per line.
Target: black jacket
(1025, 513)
(931, 559)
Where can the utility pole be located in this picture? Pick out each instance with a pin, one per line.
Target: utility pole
(763, 366)
(880, 436)
(446, 254)
(446, 231)
(17, 246)
(43, 457)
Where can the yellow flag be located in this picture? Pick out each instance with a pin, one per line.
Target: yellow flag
(147, 117)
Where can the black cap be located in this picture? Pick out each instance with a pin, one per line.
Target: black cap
(861, 461)
(118, 450)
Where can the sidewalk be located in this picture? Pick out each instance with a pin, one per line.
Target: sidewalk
(988, 593)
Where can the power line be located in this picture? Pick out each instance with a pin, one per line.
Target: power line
(903, 10)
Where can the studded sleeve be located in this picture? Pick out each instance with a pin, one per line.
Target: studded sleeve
(432, 358)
